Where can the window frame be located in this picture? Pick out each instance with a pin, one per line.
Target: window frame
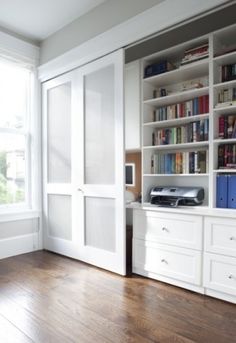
(27, 132)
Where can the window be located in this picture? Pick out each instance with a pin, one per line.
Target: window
(14, 134)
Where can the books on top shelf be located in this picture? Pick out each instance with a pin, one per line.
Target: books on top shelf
(193, 132)
(227, 156)
(158, 68)
(199, 105)
(228, 72)
(195, 162)
(194, 54)
(227, 126)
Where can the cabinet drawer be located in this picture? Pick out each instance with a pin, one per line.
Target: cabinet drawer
(220, 273)
(177, 263)
(168, 228)
(220, 236)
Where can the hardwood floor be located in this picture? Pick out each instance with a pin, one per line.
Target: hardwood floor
(49, 298)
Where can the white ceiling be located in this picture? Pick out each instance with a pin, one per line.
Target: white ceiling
(37, 19)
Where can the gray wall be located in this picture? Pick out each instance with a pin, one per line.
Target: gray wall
(99, 20)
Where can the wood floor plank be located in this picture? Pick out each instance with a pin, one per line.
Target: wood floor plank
(9, 333)
(63, 300)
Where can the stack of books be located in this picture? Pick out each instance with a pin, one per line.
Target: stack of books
(199, 105)
(226, 97)
(195, 54)
(228, 72)
(227, 126)
(192, 132)
(195, 162)
(227, 156)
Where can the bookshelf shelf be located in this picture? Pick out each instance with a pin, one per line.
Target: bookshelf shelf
(190, 71)
(177, 97)
(224, 141)
(225, 109)
(177, 121)
(227, 84)
(181, 146)
(226, 171)
(225, 59)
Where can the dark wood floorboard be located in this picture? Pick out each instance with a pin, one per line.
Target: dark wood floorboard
(45, 298)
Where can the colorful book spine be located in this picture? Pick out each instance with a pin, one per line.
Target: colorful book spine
(194, 162)
(188, 108)
(192, 132)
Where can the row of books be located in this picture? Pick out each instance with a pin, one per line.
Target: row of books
(158, 68)
(199, 105)
(226, 191)
(227, 156)
(195, 162)
(192, 132)
(226, 95)
(227, 126)
(228, 72)
(195, 53)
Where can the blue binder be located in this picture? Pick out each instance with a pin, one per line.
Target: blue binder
(222, 191)
(232, 191)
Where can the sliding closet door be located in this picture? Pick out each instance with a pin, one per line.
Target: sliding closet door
(100, 163)
(58, 104)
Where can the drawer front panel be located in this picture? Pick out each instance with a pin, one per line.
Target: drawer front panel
(220, 236)
(177, 263)
(173, 229)
(220, 273)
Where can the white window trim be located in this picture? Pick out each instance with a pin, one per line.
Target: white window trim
(26, 54)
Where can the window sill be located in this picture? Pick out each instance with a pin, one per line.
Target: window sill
(20, 214)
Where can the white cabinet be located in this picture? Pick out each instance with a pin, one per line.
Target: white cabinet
(168, 247)
(172, 262)
(220, 273)
(220, 257)
(132, 106)
(220, 236)
(169, 228)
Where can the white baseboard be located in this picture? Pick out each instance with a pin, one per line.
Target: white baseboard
(19, 245)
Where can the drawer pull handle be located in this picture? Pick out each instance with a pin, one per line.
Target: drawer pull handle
(232, 238)
(164, 261)
(230, 276)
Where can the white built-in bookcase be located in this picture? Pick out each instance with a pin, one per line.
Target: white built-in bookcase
(206, 71)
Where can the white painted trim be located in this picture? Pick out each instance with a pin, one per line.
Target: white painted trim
(21, 215)
(18, 245)
(178, 283)
(18, 49)
(219, 295)
(151, 21)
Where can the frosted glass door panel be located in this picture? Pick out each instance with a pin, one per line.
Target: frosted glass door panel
(100, 227)
(59, 134)
(59, 216)
(99, 127)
